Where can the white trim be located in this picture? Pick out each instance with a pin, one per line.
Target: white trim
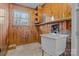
(21, 18)
(74, 40)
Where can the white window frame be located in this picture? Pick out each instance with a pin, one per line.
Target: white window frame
(19, 17)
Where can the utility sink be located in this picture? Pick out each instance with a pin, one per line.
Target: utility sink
(54, 44)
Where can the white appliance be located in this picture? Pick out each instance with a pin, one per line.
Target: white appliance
(53, 44)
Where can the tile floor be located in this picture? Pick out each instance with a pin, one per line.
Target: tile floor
(32, 49)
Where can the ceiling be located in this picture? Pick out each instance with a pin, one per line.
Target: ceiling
(31, 5)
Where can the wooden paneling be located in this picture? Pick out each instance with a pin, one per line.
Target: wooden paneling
(39, 11)
(4, 30)
(58, 10)
(21, 34)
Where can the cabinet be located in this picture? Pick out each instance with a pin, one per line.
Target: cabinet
(53, 44)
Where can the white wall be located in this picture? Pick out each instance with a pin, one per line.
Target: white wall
(75, 31)
(73, 39)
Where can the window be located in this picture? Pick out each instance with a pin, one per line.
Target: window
(2, 15)
(20, 18)
(44, 17)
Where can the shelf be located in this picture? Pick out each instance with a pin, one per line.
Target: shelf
(57, 21)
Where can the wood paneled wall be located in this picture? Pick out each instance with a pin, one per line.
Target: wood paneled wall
(22, 35)
(58, 10)
(4, 30)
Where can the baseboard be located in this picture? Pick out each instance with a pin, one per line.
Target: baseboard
(73, 52)
(12, 46)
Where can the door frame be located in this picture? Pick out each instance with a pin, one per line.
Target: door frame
(74, 33)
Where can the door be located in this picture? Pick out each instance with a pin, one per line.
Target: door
(3, 29)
